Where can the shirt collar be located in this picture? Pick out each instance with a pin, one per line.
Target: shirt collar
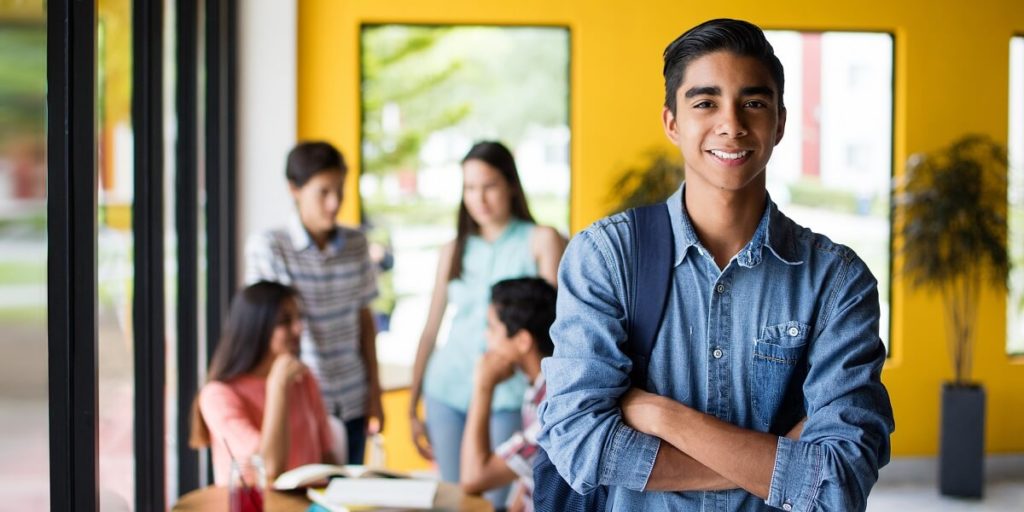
(301, 240)
(773, 232)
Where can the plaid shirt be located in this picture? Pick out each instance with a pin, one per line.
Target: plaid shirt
(519, 450)
(335, 284)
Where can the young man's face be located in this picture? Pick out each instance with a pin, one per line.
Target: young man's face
(727, 121)
(498, 339)
(319, 200)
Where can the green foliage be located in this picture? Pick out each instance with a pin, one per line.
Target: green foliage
(953, 229)
(953, 207)
(394, 74)
(22, 80)
(467, 79)
(656, 178)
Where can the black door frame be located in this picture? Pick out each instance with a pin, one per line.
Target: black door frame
(72, 234)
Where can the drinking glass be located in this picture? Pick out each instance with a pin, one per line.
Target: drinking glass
(247, 485)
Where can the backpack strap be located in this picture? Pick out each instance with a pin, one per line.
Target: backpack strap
(652, 277)
(653, 249)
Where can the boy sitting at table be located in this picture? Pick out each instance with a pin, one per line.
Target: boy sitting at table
(520, 314)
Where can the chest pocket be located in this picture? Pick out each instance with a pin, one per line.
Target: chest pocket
(776, 376)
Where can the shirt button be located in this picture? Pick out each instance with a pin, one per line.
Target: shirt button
(787, 507)
(793, 331)
(717, 353)
(720, 288)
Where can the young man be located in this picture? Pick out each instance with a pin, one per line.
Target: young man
(767, 324)
(518, 320)
(330, 267)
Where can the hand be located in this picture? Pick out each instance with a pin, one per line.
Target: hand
(419, 437)
(639, 408)
(285, 370)
(374, 411)
(492, 368)
(518, 500)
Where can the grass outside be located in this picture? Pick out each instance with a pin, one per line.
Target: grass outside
(23, 272)
(23, 315)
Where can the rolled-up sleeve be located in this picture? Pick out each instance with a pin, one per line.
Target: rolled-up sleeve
(849, 416)
(582, 429)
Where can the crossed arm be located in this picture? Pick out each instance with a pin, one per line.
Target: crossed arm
(595, 440)
(698, 457)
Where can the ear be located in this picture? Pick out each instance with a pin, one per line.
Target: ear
(523, 342)
(668, 123)
(780, 130)
(294, 191)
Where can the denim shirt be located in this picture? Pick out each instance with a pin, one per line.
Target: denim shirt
(788, 329)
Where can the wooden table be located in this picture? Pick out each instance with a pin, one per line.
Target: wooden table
(215, 499)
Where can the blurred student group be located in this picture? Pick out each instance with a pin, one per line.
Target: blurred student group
(394, 163)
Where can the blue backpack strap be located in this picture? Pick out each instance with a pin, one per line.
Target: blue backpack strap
(652, 271)
(652, 277)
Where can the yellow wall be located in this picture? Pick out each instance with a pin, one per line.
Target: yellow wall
(951, 77)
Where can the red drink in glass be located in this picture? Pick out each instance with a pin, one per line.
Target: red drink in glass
(245, 499)
(246, 485)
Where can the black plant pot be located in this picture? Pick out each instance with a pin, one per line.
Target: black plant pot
(962, 449)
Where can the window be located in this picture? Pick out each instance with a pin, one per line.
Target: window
(429, 93)
(115, 266)
(833, 169)
(1015, 198)
(24, 469)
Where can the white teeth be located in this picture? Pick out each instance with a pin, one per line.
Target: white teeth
(729, 156)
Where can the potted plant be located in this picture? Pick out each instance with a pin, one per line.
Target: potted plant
(952, 207)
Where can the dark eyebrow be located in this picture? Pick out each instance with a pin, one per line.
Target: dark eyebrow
(711, 90)
(758, 90)
(703, 91)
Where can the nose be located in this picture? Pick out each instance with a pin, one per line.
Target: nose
(731, 123)
(475, 195)
(332, 201)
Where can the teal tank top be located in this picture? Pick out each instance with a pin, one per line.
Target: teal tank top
(449, 375)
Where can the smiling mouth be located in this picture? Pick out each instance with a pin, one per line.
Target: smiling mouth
(726, 155)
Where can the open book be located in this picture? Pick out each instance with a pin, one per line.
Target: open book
(343, 495)
(318, 474)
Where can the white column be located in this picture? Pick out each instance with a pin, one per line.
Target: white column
(266, 113)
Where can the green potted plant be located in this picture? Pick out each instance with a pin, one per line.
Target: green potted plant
(653, 180)
(953, 229)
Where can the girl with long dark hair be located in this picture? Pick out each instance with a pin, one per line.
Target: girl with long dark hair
(259, 398)
(496, 239)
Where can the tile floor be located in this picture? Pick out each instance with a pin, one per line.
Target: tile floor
(909, 485)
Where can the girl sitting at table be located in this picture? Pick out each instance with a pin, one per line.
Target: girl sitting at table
(259, 399)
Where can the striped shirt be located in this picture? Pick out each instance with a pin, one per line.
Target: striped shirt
(335, 284)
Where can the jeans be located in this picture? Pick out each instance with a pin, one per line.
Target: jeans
(445, 426)
(356, 430)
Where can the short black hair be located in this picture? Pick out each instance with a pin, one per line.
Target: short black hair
(307, 159)
(737, 36)
(526, 303)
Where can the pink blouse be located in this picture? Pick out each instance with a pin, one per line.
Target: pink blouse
(234, 411)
